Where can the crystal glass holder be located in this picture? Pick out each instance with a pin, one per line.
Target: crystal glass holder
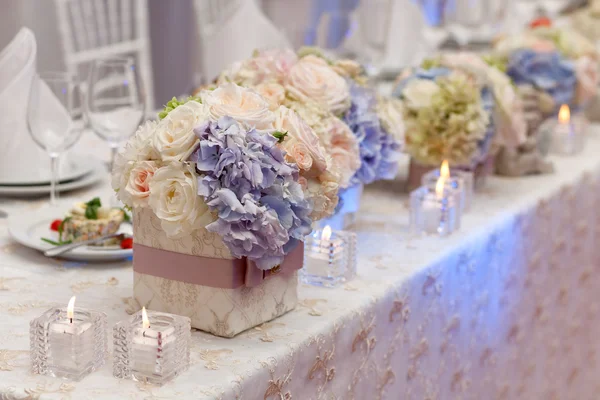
(329, 262)
(459, 180)
(68, 348)
(568, 138)
(155, 354)
(432, 214)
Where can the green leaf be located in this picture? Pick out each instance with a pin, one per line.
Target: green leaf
(52, 242)
(280, 136)
(91, 212)
(126, 216)
(174, 103)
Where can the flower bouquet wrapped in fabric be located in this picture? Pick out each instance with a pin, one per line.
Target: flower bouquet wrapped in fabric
(223, 190)
(447, 116)
(362, 132)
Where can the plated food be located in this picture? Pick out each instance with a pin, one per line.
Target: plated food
(85, 221)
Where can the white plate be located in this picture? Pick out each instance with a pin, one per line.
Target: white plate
(29, 228)
(98, 171)
(76, 167)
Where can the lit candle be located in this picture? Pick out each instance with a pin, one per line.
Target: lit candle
(69, 342)
(329, 257)
(565, 138)
(434, 209)
(458, 180)
(151, 347)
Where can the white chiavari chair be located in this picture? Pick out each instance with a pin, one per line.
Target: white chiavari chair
(96, 29)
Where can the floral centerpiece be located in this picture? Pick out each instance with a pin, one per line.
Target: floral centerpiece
(447, 113)
(363, 132)
(223, 177)
(559, 62)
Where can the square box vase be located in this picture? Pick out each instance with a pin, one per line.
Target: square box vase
(196, 276)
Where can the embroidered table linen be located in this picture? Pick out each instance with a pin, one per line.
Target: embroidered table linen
(507, 308)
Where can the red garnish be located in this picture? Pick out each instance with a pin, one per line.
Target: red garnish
(541, 21)
(55, 225)
(127, 243)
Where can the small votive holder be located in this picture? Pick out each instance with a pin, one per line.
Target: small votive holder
(434, 214)
(459, 180)
(329, 258)
(567, 134)
(151, 351)
(66, 347)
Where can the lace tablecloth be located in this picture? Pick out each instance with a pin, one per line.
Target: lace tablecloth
(505, 309)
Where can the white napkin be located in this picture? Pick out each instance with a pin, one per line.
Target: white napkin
(21, 159)
(230, 38)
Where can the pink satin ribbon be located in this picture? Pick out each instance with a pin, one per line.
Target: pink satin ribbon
(206, 271)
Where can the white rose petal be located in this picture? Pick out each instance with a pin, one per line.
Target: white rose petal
(175, 201)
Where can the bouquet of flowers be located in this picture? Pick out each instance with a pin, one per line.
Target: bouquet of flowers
(230, 163)
(559, 62)
(362, 132)
(446, 114)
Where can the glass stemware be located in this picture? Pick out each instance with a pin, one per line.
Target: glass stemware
(115, 101)
(54, 117)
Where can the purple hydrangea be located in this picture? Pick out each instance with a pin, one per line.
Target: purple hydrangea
(245, 180)
(377, 147)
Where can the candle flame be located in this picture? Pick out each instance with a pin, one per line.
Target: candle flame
(326, 235)
(439, 187)
(145, 320)
(445, 170)
(71, 308)
(564, 114)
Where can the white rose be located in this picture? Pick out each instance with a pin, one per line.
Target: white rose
(175, 201)
(418, 93)
(174, 138)
(138, 184)
(242, 104)
(274, 93)
(313, 79)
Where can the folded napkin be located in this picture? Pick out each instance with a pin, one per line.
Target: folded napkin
(21, 159)
(233, 32)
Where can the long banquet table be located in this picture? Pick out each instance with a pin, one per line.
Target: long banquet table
(507, 308)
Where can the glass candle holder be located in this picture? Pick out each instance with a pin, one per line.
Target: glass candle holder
(329, 258)
(567, 134)
(152, 349)
(432, 213)
(459, 180)
(68, 344)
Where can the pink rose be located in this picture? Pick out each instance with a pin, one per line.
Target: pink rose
(265, 66)
(277, 62)
(300, 154)
(586, 71)
(344, 150)
(313, 79)
(274, 93)
(298, 131)
(137, 187)
(242, 104)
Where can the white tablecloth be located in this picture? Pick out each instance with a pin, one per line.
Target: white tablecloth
(505, 309)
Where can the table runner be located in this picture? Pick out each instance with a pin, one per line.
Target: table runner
(507, 308)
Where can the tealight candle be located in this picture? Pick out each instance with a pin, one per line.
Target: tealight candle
(459, 180)
(435, 209)
(68, 343)
(329, 258)
(566, 138)
(151, 347)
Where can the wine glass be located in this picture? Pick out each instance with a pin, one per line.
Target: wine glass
(115, 101)
(54, 117)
